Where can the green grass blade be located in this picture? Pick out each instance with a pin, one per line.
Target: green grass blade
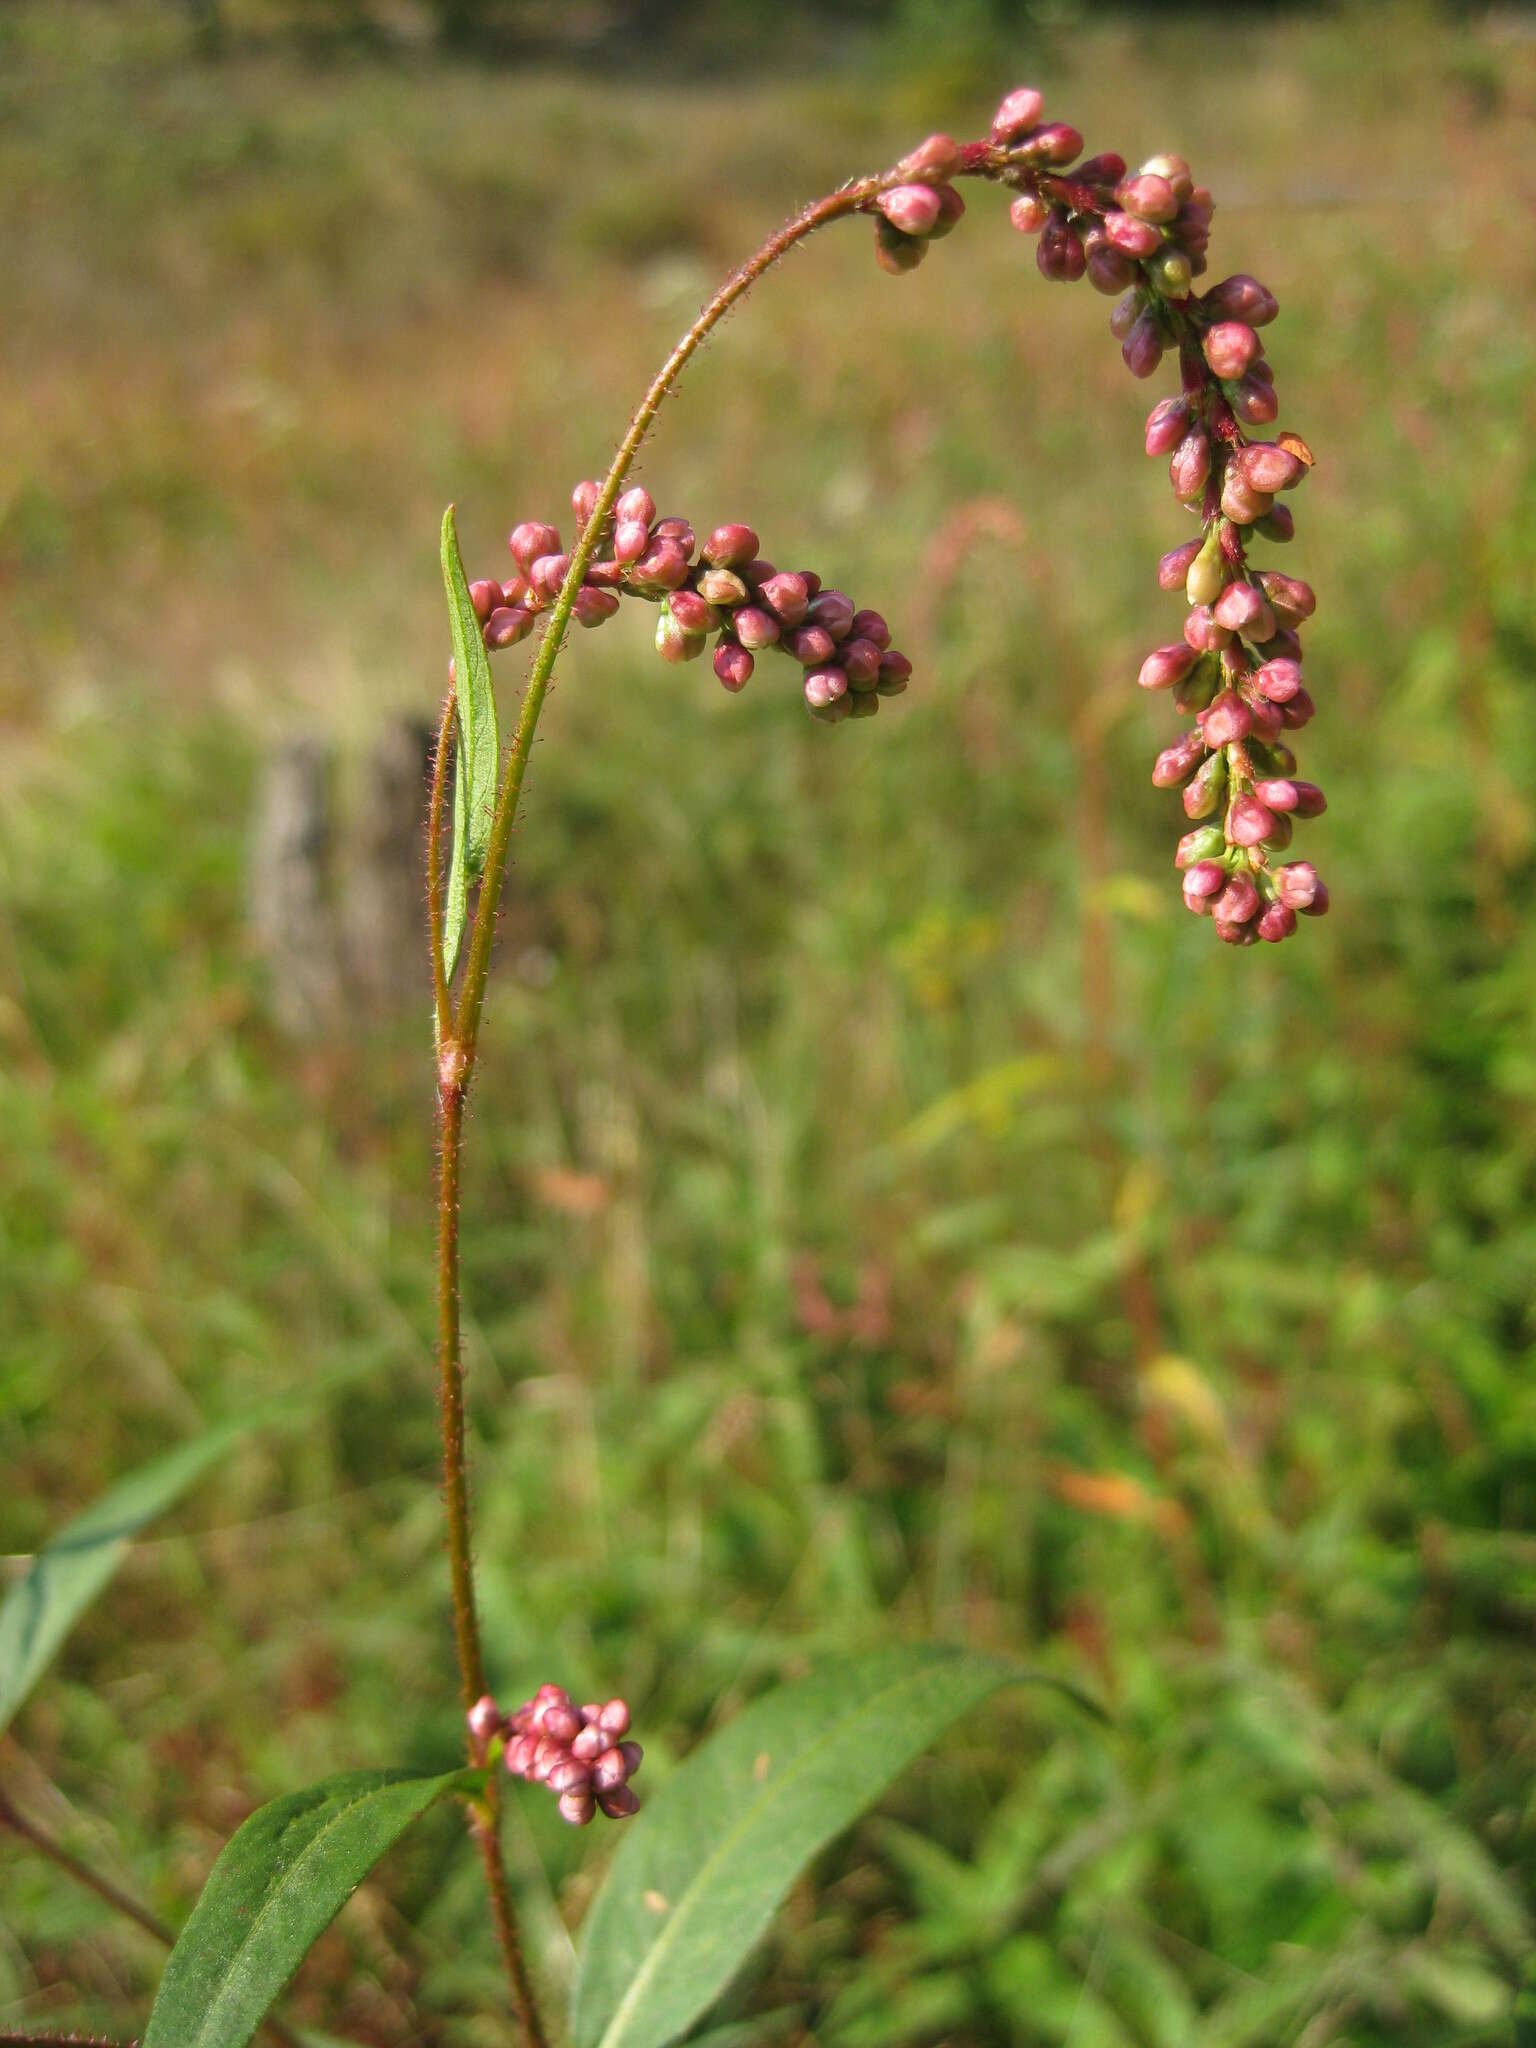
(66, 1576)
(478, 759)
(700, 1874)
(278, 1884)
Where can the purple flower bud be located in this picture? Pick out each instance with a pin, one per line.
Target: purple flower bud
(1104, 169)
(1204, 842)
(1235, 934)
(1237, 902)
(1241, 298)
(1248, 822)
(937, 158)
(1267, 719)
(546, 1755)
(730, 547)
(754, 627)
(913, 209)
(823, 686)
(1240, 502)
(1057, 143)
(1280, 838)
(1202, 632)
(1255, 403)
(633, 1756)
(1228, 719)
(1165, 429)
(530, 540)
(515, 591)
(1297, 711)
(1281, 758)
(592, 605)
(620, 1803)
(862, 706)
(812, 583)
(1204, 793)
(1202, 883)
(484, 598)
(1029, 213)
(786, 595)
(1109, 270)
(1126, 312)
(570, 1776)
(692, 612)
(860, 660)
(609, 1772)
(1142, 347)
(869, 625)
(1173, 170)
(1165, 666)
(1301, 888)
(1135, 238)
(1018, 113)
(637, 505)
(614, 1718)
(1292, 599)
(951, 210)
(1190, 464)
(895, 252)
(895, 669)
(1171, 273)
(1277, 524)
(835, 712)
(1268, 467)
(484, 1719)
(1243, 608)
(722, 587)
(1175, 764)
(546, 573)
(1277, 923)
(631, 538)
(1059, 253)
(664, 567)
(833, 610)
(1148, 197)
(733, 665)
(673, 642)
(676, 530)
(1230, 346)
(506, 626)
(810, 645)
(576, 1807)
(1283, 645)
(584, 500)
(1173, 568)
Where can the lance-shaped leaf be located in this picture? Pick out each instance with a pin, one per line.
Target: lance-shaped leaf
(278, 1884)
(478, 756)
(66, 1576)
(698, 1876)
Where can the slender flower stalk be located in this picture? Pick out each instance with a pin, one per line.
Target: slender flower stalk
(1141, 237)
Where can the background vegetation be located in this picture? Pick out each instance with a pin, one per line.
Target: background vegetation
(889, 1214)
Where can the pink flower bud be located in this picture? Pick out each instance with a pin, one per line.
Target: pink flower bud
(951, 209)
(664, 567)
(1292, 599)
(1277, 524)
(1241, 298)
(692, 612)
(1104, 169)
(1029, 213)
(810, 645)
(609, 1772)
(1059, 253)
(1109, 270)
(1175, 764)
(631, 538)
(1165, 666)
(1240, 502)
(1148, 197)
(484, 1719)
(1017, 113)
(1268, 467)
(1283, 645)
(754, 627)
(1243, 608)
(570, 1776)
(860, 661)
(937, 158)
(1228, 719)
(590, 1743)
(1133, 237)
(869, 625)
(530, 540)
(895, 672)
(1301, 888)
(584, 500)
(833, 610)
(1230, 346)
(1173, 170)
(519, 1755)
(1237, 902)
(635, 504)
(1278, 680)
(1126, 313)
(733, 665)
(1267, 719)
(1190, 464)
(485, 598)
(614, 1718)
(1277, 923)
(722, 587)
(1202, 883)
(633, 1756)
(677, 530)
(506, 626)
(1173, 568)
(1235, 934)
(1249, 822)
(674, 642)
(592, 606)
(730, 547)
(546, 573)
(1255, 403)
(606, 575)
(1202, 632)
(576, 1807)
(786, 596)
(1297, 711)
(1058, 143)
(1166, 423)
(823, 686)
(1143, 345)
(913, 209)
(620, 1803)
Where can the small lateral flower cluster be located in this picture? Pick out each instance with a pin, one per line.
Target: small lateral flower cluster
(1142, 236)
(723, 589)
(581, 1753)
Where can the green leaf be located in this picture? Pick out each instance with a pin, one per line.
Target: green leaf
(478, 759)
(279, 1883)
(698, 1876)
(66, 1576)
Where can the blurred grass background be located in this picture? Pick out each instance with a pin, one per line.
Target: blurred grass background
(888, 1213)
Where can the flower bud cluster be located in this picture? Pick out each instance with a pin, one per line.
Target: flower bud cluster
(720, 588)
(1237, 668)
(582, 1754)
